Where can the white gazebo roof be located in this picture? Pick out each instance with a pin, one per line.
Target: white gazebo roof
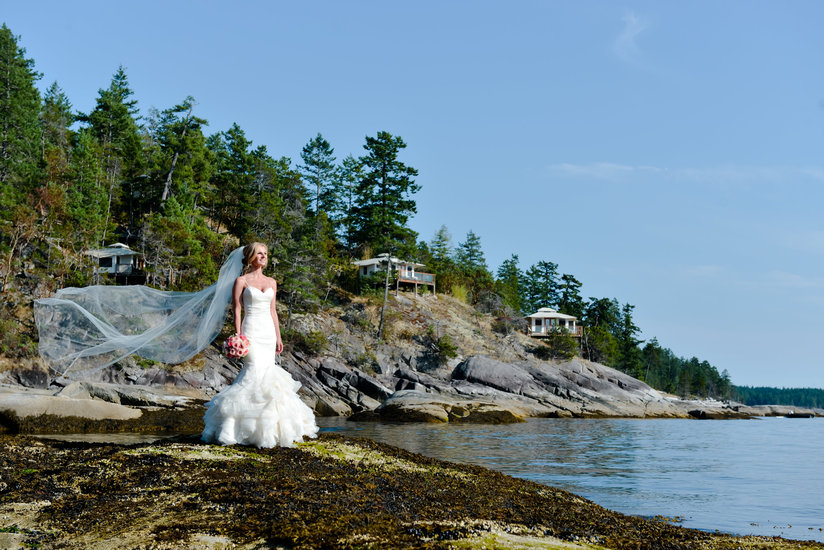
(549, 313)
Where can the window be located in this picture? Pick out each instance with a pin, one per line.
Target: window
(537, 322)
(105, 262)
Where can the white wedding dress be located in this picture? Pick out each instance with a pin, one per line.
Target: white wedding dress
(261, 407)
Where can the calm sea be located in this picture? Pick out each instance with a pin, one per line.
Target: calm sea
(762, 476)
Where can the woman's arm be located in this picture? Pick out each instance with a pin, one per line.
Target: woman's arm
(237, 291)
(274, 310)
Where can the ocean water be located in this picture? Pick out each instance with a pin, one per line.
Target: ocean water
(761, 476)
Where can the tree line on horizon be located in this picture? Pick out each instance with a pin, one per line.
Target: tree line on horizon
(765, 395)
(71, 182)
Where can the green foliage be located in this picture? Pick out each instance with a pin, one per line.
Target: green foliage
(471, 267)
(570, 301)
(794, 397)
(541, 286)
(310, 343)
(87, 198)
(459, 292)
(441, 347)
(561, 344)
(185, 199)
(384, 202)
(507, 325)
(15, 340)
(599, 345)
(19, 122)
(510, 283)
(320, 176)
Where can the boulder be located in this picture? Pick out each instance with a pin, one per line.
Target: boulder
(413, 406)
(23, 405)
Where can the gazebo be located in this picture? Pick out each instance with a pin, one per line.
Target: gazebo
(546, 319)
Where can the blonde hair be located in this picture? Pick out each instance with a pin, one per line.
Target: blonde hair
(249, 253)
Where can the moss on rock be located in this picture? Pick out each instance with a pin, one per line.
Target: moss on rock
(333, 492)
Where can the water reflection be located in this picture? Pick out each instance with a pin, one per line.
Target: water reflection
(725, 475)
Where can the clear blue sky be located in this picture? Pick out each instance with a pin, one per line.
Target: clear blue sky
(668, 154)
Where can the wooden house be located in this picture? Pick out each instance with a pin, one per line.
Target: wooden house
(408, 274)
(119, 261)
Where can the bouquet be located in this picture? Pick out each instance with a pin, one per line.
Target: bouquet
(236, 346)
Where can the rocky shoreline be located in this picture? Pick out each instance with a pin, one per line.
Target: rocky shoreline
(333, 492)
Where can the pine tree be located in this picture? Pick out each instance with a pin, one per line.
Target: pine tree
(20, 150)
(233, 180)
(87, 195)
(351, 172)
(321, 176)
(629, 355)
(185, 157)
(570, 301)
(56, 120)
(541, 286)
(113, 124)
(384, 202)
(470, 255)
(510, 283)
(441, 251)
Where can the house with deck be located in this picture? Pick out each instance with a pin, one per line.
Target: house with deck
(546, 319)
(408, 276)
(119, 261)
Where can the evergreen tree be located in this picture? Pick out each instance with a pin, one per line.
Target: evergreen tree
(510, 283)
(476, 278)
(185, 157)
(351, 172)
(56, 120)
(570, 301)
(601, 322)
(20, 136)
(234, 181)
(629, 355)
(470, 255)
(113, 124)
(541, 286)
(384, 202)
(87, 196)
(320, 174)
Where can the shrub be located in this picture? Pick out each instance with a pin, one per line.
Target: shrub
(311, 343)
(442, 349)
(561, 344)
(460, 292)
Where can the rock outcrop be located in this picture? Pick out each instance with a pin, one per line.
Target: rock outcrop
(494, 377)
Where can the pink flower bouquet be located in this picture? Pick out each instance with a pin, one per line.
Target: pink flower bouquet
(236, 346)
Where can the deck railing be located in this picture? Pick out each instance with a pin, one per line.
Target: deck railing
(427, 278)
(544, 330)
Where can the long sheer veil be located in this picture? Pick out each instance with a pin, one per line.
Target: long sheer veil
(87, 329)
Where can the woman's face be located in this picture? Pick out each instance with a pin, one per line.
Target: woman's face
(261, 257)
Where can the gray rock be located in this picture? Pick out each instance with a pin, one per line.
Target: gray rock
(412, 406)
(24, 404)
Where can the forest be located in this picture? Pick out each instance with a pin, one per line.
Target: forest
(157, 181)
(796, 397)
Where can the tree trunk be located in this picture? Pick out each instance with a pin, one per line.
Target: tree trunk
(168, 186)
(385, 295)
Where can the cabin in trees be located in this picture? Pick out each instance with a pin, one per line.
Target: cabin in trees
(408, 276)
(119, 261)
(546, 319)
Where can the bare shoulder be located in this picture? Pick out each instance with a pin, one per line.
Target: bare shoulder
(272, 282)
(240, 282)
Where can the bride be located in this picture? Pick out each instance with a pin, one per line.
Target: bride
(261, 407)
